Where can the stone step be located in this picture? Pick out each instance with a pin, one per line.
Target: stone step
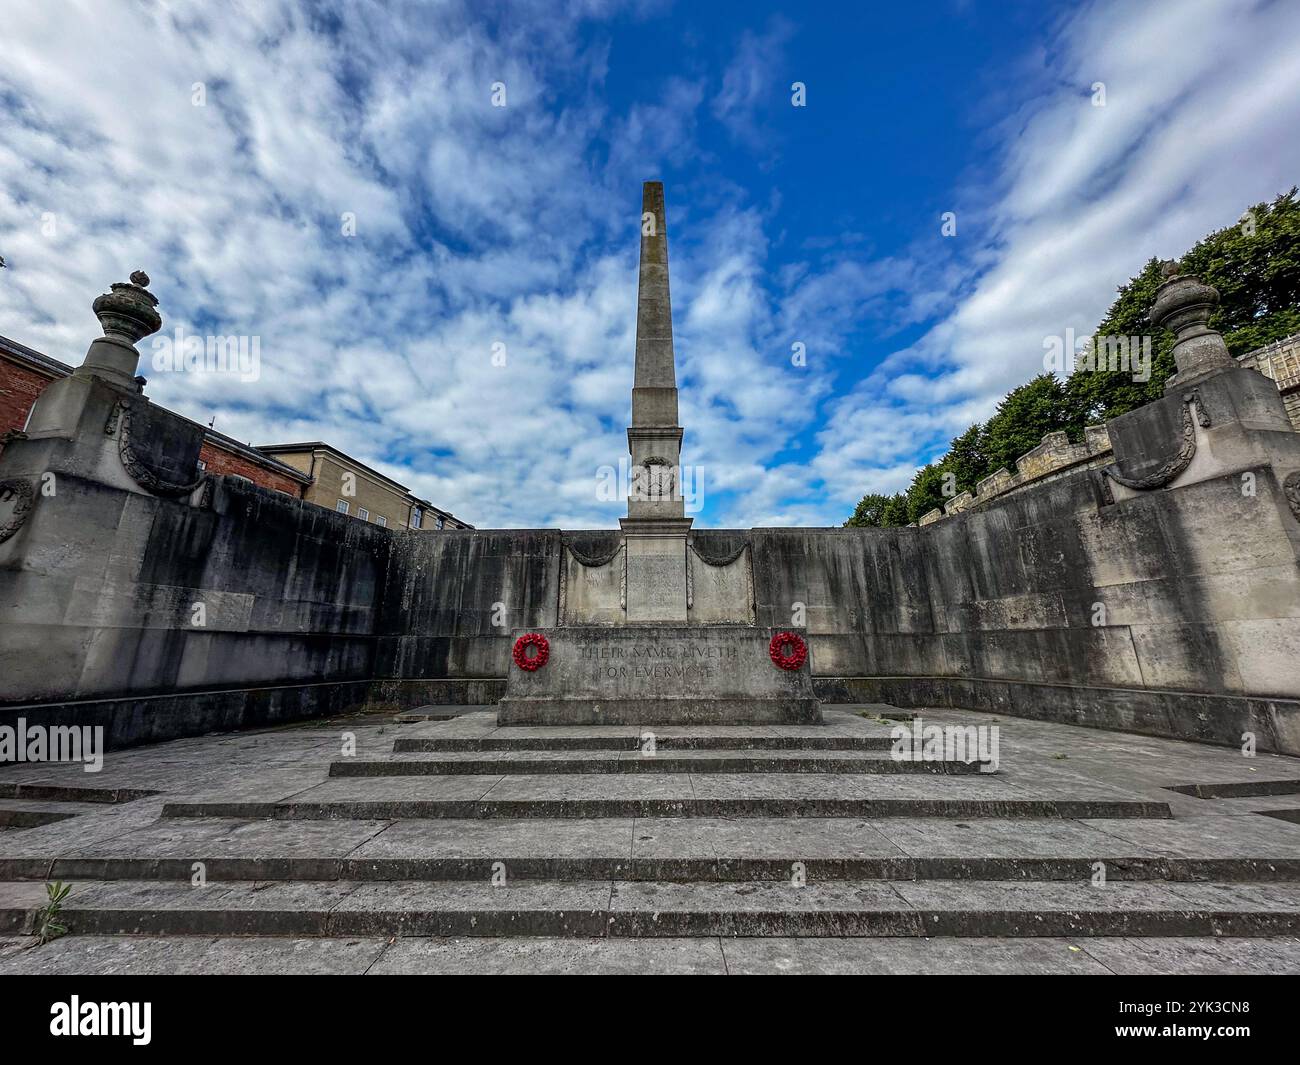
(769, 807)
(711, 955)
(514, 764)
(31, 813)
(684, 870)
(623, 909)
(671, 743)
(70, 793)
(1227, 848)
(1238, 789)
(669, 849)
(749, 795)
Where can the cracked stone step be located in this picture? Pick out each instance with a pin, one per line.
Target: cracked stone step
(655, 909)
(605, 761)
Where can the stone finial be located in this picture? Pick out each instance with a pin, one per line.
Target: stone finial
(127, 313)
(1183, 305)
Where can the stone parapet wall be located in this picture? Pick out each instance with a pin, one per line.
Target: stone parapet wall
(1054, 457)
(1137, 608)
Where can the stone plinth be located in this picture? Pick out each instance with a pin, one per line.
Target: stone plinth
(659, 675)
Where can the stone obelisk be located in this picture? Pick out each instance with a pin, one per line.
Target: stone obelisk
(656, 524)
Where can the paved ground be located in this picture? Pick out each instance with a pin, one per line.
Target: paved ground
(365, 845)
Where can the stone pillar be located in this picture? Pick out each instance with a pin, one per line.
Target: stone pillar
(96, 425)
(127, 314)
(1216, 417)
(656, 524)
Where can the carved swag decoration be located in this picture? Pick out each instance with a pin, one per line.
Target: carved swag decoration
(1171, 468)
(1291, 489)
(23, 497)
(119, 424)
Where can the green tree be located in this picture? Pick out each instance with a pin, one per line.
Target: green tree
(879, 511)
(1025, 415)
(968, 459)
(1255, 265)
(870, 511)
(926, 491)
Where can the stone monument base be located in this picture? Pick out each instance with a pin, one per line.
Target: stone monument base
(659, 674)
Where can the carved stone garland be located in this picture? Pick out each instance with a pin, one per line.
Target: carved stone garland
(24, 497)
(1291, 489)
(1186, 451)
(119, 423)
(692, 553)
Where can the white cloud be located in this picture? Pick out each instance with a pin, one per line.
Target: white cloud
(477, 225)
(1202, 104)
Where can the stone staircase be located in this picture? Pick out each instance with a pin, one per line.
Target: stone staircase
(464, 829)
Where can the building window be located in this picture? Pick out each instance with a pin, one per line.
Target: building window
(341, 506)
(363, 514)
(440, 523)
(380, 520)
(416, 515)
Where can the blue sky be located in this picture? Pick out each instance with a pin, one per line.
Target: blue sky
(223, 153)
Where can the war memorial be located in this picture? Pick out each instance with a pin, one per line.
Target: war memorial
(337, 747)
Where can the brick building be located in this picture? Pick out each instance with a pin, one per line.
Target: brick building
(315, 471)
(24, 373)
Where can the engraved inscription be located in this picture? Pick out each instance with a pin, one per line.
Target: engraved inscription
(654, 661)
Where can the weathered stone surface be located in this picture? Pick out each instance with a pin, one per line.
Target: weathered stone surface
(908, 957)
(486, 762)
(586, 859)
(201, 956)
(659, 675)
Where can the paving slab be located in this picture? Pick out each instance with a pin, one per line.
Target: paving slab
(1183, 956)
(850, 908)
(910, 957)
(193, 956)
(228, 850)
(516, 908)
(1008, 908)
(761, 741)
(552, 957)
(1211, 835)
(632, 762)
(569, 849)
